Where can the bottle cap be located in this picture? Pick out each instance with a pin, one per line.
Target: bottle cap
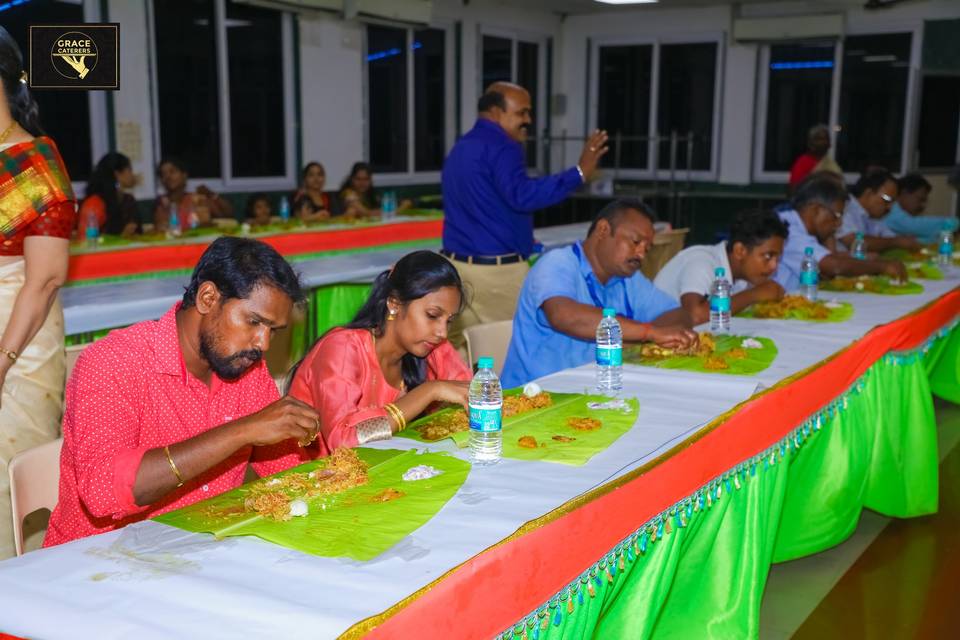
(485, 363)
(609, 313)
(808, 251)
(719, 272)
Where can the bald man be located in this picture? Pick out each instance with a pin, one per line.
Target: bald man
(489, 202)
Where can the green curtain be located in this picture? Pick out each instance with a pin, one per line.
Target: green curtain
(875, 447)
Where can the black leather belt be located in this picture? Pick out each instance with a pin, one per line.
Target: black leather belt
(509, 258)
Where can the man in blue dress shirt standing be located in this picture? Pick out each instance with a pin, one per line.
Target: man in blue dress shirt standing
(489, 200)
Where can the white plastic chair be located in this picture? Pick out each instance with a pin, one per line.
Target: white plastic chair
(34, 484)
(490, 339)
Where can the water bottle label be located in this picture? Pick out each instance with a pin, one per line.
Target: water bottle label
(719, 305)
(946, 248)
(485, 419)
(809, 278)
(609, 356)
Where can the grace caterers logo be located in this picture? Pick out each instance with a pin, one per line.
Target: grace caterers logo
(74, 56)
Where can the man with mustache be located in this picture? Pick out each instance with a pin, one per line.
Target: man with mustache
(489, 201)
(563, 298)
(748, 259)
(169, 412)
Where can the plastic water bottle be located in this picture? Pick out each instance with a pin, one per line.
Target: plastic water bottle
(486, 415)
(609, 355)
(388, 208)
(945, 246)
(92, 230)
(174, 220)
(809, 275)
(720, 302)
(859, 248)
(284, 210)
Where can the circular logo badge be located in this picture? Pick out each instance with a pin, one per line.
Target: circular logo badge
(74, 55)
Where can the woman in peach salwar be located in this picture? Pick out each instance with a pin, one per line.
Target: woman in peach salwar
(371, 377)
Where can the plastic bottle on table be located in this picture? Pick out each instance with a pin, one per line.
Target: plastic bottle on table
(720, 302)
(284, 210)
(486, 415)
(92, 230)
(859, 248)
(388, 207)
(945, 245)
(174, 221)
(609, 355)
(809, 275)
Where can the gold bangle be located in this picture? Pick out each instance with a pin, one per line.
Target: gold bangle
(10, 354)
(173, 467)
(397, 414)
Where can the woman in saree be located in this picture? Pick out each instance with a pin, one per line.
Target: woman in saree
(371, 377)
(37, 215)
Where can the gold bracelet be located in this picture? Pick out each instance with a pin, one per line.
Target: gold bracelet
(398, 416)
(10, 354)
(173, 467)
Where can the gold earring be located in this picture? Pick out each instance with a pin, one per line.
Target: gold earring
(392, 315)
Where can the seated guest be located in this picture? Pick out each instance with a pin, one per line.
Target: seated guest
(310, 202)
(563, 297)
(816, 158)
(357, 197)
(114, 210)
(906, 215)
(371, 377)
(867, 205)
(749, 259)
(193, 209)
(258, 210)
(813, 220)
(169, 412)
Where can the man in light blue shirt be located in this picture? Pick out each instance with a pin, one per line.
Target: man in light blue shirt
(564, 295)
(818, 205)
(872, 197)
(906, 216)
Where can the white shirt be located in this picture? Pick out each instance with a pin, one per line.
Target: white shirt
(692, 271)
(857, 220)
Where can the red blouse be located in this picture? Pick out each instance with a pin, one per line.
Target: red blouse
(341, 378)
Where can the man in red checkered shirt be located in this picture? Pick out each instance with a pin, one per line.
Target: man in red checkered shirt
(169, 412)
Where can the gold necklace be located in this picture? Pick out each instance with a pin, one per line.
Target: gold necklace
(6, 132)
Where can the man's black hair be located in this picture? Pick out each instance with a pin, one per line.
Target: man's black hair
(754, 227)
(237, 266)
(822, 187)
(913, 182)
(613, 211)
(872, 179)
(491, 99)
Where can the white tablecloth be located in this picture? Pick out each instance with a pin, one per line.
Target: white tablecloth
(152, 581)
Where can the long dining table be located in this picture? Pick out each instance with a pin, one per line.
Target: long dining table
(669, 532)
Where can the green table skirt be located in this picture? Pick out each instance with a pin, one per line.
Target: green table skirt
(701, 571)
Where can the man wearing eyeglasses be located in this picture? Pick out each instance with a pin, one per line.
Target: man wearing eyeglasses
(868, 205)
(816, 213)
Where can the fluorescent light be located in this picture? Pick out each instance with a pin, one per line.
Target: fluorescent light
(628, 1)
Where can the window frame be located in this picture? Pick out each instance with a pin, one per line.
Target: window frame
(516, 36)
(226, 182)
(911, 106)
(411, 176)
(652, 170)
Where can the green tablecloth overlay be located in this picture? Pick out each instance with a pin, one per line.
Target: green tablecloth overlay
(347, 524)
(840, 313)
(881, 284)
(801, 496)
(544, 424)
(756, 361)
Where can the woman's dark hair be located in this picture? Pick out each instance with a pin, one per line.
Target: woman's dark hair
(306, 170)
(175, 161)
(237, 266)
(23, 108)
(414, 276)
(367, 198)
(103, 182)
(253, 200)
(872, 179)
(755, 226)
